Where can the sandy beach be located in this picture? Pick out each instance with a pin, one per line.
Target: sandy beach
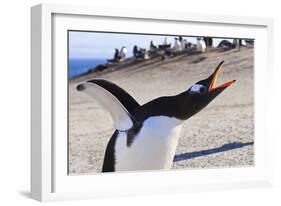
(221, 135)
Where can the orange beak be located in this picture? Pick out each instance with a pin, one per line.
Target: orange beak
(215, 77)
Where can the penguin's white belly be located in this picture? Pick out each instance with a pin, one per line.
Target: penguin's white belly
(153, 147)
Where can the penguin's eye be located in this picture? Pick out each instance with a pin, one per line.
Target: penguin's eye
(197, 88)
(202, 89)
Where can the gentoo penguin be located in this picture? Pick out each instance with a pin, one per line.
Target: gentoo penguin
(249, 42)
(200, 46)
(135, 51)
(235, 44)
(140, 53)
(146, 136)
(123, 52)
(117, 56)
(177, 45)
(180, 38)
(184, 44)
(166, 41)
(152, 46)
(208, 41)
(225, 44)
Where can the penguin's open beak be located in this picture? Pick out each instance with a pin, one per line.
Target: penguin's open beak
(213, 78)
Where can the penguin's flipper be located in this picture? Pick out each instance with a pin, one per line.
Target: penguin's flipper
(124, 97)
(114, 99)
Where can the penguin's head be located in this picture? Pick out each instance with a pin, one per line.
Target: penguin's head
(200, 94)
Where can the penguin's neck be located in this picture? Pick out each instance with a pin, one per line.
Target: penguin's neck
(170, 106)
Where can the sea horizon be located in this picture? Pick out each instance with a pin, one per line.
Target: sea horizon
(80, 66)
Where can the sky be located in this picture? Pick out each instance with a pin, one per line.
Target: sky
(99, 45)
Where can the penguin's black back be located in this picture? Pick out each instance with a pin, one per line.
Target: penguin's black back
(109, 157)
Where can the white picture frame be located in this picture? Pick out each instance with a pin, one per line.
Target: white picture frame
(49, 179)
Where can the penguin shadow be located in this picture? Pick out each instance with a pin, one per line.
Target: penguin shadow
(223, 148)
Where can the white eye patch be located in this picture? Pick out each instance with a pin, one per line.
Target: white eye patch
(197, 88)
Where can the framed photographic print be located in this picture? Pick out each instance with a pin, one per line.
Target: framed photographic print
(135, 102)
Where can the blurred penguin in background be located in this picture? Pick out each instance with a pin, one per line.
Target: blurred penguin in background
(152, 46)
(201, 45)
(177, 45)
(166, 41)
(208, 41)
(123, 52)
